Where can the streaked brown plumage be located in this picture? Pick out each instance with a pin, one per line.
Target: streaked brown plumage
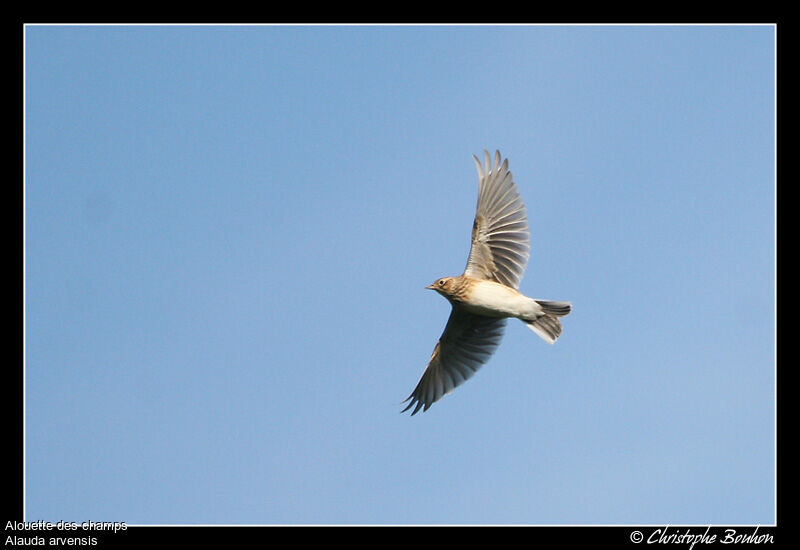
(486, 294)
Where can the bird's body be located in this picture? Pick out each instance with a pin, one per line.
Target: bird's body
(486, 294)
(490, 298)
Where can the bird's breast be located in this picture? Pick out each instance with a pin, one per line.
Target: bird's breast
(496, 300)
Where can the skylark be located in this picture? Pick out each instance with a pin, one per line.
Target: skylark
(486, 294)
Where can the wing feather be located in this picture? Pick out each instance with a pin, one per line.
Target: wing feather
(500, 237)
(465, 345)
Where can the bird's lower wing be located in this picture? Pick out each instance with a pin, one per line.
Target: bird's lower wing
(465, 345)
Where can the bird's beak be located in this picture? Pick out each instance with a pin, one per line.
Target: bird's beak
(430, 287)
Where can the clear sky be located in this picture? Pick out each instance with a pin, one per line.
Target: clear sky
(229, 231)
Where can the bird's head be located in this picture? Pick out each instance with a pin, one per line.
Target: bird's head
(443, 286)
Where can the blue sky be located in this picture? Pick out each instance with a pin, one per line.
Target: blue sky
(228, 232)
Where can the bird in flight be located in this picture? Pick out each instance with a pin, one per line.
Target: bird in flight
(486, 294)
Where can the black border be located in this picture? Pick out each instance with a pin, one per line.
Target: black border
(137, 536)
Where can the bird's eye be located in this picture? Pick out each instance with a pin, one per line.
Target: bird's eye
(441, 282)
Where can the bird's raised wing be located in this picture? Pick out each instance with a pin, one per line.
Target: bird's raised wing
(465, 345)
(500, 240)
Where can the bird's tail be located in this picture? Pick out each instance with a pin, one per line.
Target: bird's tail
(547, 325)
